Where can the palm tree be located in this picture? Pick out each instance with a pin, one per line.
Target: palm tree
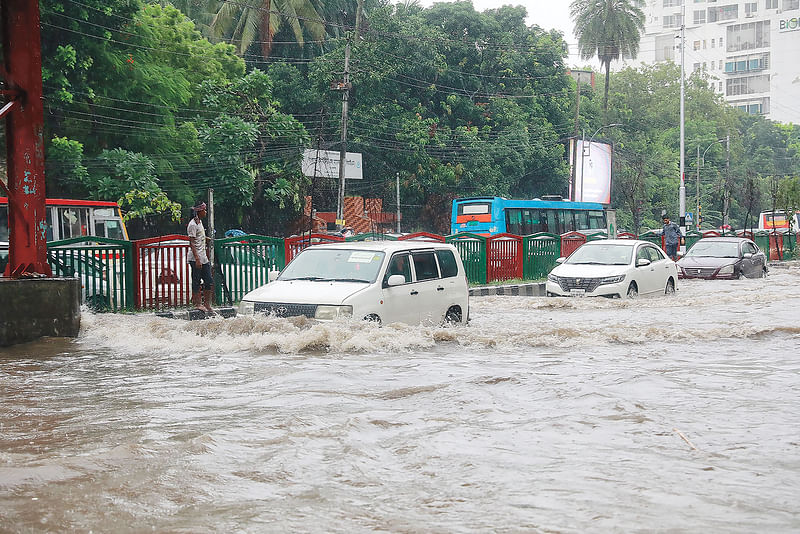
(246, 21)
(607, 28)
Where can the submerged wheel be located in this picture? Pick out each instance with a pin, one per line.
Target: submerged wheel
(741, 276)
(764, 272)
(453, 315)
(670, 289)
(373, 318)
(98, 303)
(633, 291)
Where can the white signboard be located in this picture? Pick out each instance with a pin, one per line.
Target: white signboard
(326, 164)
(592, 173)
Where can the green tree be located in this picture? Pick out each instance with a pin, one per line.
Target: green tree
(608, 29)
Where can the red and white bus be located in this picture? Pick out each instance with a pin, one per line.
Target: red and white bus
(768, 220)
(73, 218)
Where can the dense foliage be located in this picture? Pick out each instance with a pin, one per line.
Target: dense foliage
(151, 104)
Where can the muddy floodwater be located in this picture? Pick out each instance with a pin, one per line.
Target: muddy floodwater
(669, 414)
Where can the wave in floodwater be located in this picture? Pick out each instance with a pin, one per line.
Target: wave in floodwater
(700, 311)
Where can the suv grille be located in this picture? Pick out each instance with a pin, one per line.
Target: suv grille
(281, 309)
(588, 284)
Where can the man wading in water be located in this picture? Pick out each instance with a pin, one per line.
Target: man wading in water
(198, 260)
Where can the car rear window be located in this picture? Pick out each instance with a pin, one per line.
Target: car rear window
(447, 263)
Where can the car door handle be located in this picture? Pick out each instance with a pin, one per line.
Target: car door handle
(415, 292)
(440, 288)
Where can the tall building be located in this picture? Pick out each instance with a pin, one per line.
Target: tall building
(749, 48)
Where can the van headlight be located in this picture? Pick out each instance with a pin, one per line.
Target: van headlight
(612, 279)
(247, 307)
(728, 269)
(332, 312)
(552, 278)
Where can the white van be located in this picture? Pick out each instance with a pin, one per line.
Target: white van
(778, 221)
(383, 281)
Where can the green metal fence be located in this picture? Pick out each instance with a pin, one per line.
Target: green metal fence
(472, 249)
(244, 264)
(104, 267)
(371, 237)
(692, 237)
(539, 254)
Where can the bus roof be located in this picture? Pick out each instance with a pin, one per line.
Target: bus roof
(72, 202)
(538, 203)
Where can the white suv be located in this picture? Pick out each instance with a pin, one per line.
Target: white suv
(383, 281)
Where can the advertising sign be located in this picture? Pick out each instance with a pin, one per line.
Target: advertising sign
(592, 172)
(326, 164)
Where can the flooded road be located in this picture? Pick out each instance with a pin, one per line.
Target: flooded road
(542, 415)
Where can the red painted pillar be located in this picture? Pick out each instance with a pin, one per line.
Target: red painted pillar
(24, 137)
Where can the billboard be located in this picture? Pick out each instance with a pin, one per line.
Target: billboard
(592, 172)
(326, 164)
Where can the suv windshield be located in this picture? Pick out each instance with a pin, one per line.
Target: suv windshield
(602, 254)
(324, 264)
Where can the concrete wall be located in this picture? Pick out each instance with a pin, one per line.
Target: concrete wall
(37, 307)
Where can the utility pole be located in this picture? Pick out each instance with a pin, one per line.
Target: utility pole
(398, 201)
(697, 193)
(210, 224)
(343, 150)
(575, 141)
(682, 189)
(726, 193)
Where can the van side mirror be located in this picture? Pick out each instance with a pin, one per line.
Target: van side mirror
(396, 280)
(272, 275)
(561, 260)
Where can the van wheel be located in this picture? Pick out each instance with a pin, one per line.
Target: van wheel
(373, 318)
(633, 291)
(453, 315)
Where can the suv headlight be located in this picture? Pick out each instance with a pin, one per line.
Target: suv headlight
(728, 269)
(332, 312)
(612, 279)
(247, 307)
(552, 278)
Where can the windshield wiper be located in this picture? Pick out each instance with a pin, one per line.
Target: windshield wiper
(311, 278)
(589, 263)
(350, 280)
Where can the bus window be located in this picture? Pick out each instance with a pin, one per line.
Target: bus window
(569, 220)
(3, 223)
(530, 218)
(514, 221)
(581, 220)
(597, 220)
(49, 219)
(72, 222)
(108, 228)
(561, 223)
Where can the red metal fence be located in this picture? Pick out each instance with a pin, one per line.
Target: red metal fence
(161, 272)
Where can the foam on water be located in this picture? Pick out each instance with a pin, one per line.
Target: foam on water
(701, 310)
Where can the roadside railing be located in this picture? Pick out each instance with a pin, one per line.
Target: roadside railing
(154, 274)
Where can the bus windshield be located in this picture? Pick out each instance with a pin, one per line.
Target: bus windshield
(68, 218)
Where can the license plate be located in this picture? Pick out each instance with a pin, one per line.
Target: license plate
(577, 292)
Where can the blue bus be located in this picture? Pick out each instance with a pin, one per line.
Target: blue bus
(497, 215)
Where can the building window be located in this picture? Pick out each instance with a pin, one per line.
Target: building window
(716, 14)
(720, 42)
(772, 4)
(713, 42)
(749, 63)
(747, 85)
(700, 16)
(790, 4)
(672, 3)
(720, 64)
(720, 87)
(696, 67)
(696, 45)
(673, 21)
(665, 47)
(748, 36)
(750, 9)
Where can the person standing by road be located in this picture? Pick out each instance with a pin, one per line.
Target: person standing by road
(672, 237)
(198, 260)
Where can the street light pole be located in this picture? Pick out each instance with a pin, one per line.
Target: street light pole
(682, 190)
(584, 150)
(697, 197)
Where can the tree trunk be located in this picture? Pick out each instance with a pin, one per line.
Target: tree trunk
(605, 95)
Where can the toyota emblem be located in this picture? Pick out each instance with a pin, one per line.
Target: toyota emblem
(280, 311)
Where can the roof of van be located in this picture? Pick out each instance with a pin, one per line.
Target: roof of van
(386, 246)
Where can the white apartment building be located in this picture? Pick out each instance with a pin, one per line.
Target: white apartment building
(749, 48)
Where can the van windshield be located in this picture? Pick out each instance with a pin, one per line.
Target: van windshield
(341, 264)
